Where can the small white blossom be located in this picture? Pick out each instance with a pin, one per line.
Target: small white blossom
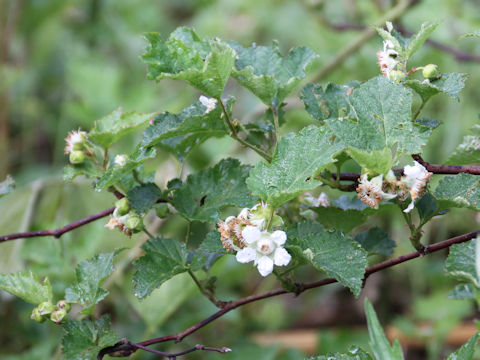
(120, 160)
(264, 249)
(415, 178)
(209, 103)
(119, 222)
(74, 141)
(387, 58)
(370, 191)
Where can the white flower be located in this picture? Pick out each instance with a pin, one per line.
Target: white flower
(387, 59)
(370, 191)
(264, 249)
(321, 200)
(75, 141)
(415, 178)
(209, 103)
(117, 221)
(120, 160)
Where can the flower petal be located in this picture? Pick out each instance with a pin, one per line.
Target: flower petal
(282, 257)
(265, 265)
(410, 207)
(246, 255)
(251, 234)
(279, 237)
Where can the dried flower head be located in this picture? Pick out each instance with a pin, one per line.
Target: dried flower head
(387, 58)
(415, 178)
(370, 191)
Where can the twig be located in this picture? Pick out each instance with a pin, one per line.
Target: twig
(120, 348)
(434, 168)
(447, 169)
(60, 231)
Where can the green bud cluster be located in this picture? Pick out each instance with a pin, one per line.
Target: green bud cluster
(46, 310)
(430, 72)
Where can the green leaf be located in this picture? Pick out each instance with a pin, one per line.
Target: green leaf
(7, 186)
(463, 292)
(90, 275)
(354, 353)
(467, 350)
(115, 173)
(417, 40)
(374, 162)
(212, 243)
(204, 64)
(383, 110)
(388, 36)
(267, 74)
(461, 262)
(338, 255)
(468, 152)
(450, 84)
(471, 34)
(299, 157)
(87, 169)
(344, 214)
(116, 125)
(427, 207)
(204, 193)
(27, 287)
(84, 339)
(327, 102)
(179, 133)
(376, 241)
(163, 259)
(378, 341)
(462, 190)
(142, 198)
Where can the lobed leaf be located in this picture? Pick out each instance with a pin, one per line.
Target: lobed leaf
(204, 193)
(116, 125)
(417, 40)
(298, 159)
(204, 64)
(27, 287)
(450, 84)
(463, 292)
(142, 198)
(179, 133)
(267, 74)
(462, 190)
(90, 275)
(462, 262)
(376, 241)
(82, 340)
(163, 259)
(383, 120)
(468, 152)
(338, 255)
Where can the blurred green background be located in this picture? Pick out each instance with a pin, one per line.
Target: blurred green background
(66, 63)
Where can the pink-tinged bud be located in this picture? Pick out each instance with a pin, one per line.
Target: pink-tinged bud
(36, 316)
(58, 316)
(63, 305)
(46, 308)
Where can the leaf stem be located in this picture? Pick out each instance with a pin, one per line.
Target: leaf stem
(208, 294)
(419, 110)
(276, 127)
(233, 134)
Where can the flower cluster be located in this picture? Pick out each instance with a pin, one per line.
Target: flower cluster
(248, 235)
(387, 59)
(413, 183)
(125, 219)
(46, 310)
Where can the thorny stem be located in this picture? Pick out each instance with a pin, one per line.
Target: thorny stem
(233, 134)
(299, 288)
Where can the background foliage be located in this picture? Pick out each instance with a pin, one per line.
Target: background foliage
(64, 64)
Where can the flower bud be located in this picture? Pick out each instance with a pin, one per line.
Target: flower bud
(396, 75)
(46, 308)
(120, 160)
(134, 222)
(122, 205)
(58, 316)
(162, 210)
(63, 305)
(430, 71)
(77, 157)
(36, 316)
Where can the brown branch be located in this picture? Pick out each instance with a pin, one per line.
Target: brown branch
(122, 349)
(60, 231)
(447, 169)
